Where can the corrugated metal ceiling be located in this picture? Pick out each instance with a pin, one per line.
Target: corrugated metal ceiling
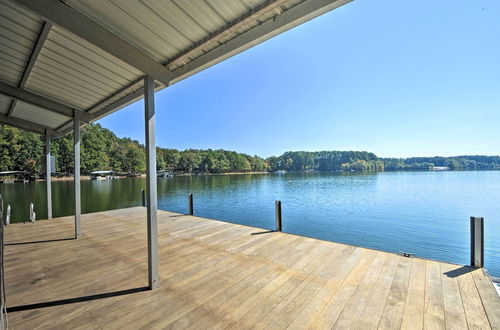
(4, 104)
(75, 73)
(20, 30)
(44, 117)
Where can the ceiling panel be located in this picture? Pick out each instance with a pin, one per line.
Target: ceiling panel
(39, 115)
(77, 73)
(4, 104)
(20, 30)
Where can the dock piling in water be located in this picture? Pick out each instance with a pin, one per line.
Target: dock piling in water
(143, 194)
(32, 213)
(277, 213)
(477, 242)
(190, 204)
(7, 216)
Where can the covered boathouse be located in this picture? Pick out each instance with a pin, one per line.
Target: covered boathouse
(68, 63)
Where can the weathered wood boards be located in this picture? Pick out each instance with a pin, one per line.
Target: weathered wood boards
(218, 275)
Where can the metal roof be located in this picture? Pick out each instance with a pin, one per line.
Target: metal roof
(58, 57)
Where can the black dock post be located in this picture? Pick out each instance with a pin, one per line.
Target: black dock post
(477, 242)
(143, 193)
(277, 213)
(190, 204)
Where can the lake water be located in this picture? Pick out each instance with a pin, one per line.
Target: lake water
(425, 213)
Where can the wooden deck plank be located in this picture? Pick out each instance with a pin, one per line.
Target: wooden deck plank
(307, 290)
(358, 264)
(253, 310)
(310, 311)
(222, 275)
(488, 297)
(374, 308)
(353, 309)
(394, 307)
(433, 308)
(222, 306)
(474, 310)
(195, 277)
(454, 313)
(206, 310)
(413, 316)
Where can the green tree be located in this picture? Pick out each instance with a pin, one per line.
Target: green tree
(189, 161)
(134, 161)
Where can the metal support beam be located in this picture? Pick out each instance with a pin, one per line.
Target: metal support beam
(36, 52)
(3, 313)
(31, 63)
(27, 125)
(78, 203)
(12, 107)
(77, 23)
(48, 176)
(41, 101)
(151, 199)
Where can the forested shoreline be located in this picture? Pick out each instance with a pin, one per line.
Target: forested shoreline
(101, 149)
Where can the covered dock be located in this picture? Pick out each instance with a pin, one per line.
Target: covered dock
(69, 63)
(65, 64)
(15, 176)
(97, 175)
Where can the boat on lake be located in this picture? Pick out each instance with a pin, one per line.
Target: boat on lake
(14, 176)
(164, 174)
(103, 175)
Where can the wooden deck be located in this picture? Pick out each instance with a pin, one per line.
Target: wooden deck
(220, 275)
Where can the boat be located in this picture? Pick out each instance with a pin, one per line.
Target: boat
(440, 168)
(164, 174)
(15, 176)
(102, 175)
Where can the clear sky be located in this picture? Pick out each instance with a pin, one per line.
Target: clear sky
(397, 78)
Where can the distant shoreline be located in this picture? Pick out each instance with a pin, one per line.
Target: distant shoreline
(86, 177)
(223, 173)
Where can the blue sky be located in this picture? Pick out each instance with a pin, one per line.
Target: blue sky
(397, 78)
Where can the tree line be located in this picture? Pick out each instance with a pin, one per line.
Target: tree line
(327, 161)
(362, 161)
(453, 163)
(101, 149)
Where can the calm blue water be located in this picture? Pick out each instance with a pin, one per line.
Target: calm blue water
(426, 213)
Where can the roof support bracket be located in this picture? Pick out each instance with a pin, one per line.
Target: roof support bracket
(27, 125)
(41, 101)
(31, 63)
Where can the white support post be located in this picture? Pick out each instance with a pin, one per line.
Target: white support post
(48, 176)
(151, 197)
(76, 144)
